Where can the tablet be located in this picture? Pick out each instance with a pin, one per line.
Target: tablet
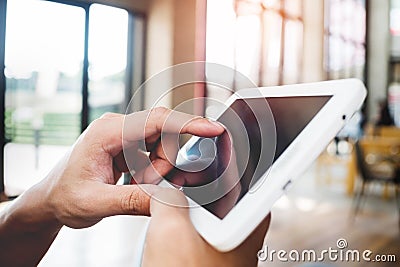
(272, 136)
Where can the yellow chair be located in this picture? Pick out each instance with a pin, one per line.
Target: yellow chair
(382, 152)
(351, 173)
(388, 131)
(329, 161)
(375, 168)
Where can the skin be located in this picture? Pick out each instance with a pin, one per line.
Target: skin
(173, 241)
(80, 190)
(224, 169)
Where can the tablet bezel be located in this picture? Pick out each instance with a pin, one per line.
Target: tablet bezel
(347, 97)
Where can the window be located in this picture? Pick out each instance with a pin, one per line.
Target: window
(394, 64)
(65, 64)
(345, 32)
(43, 68)
(263, 39)
(108, 48)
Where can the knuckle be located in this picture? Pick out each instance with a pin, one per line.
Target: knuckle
(94, 125)
(108, 115)
(135, 203)
(93, 129)
(159, 112)
(157, 115)
(99, 123)
(97, 126)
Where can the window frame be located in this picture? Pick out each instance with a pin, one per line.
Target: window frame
(286, 17)
(3, 11)
(132, 63)
(341, 74)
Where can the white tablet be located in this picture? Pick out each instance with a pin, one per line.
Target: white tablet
(273, 135)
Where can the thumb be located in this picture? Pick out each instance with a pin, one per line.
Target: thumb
(124, 199)
(168, 202)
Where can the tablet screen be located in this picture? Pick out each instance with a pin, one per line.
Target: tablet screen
(218, 172)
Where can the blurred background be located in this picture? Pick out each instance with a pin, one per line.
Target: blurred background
(68, 61)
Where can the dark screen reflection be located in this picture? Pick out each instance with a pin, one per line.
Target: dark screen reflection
(257, 137)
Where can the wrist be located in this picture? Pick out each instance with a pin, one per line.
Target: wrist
(27, 224)
(31, 212)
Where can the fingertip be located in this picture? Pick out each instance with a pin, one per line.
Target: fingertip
(204, 127)
(137, 198)
(178, 180)
(219, 126)
(122, 199)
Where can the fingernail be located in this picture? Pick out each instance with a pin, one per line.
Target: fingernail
(216, 123)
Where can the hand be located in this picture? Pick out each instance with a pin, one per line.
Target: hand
(172, 240)
(221, 177)
(81, 189)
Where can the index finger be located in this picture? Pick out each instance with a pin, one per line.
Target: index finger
(160, 119)
(123, 130)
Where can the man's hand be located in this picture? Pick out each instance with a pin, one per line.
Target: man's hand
(81, 189)
(172, 240)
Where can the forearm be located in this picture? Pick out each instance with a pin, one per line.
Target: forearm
(27, 229)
